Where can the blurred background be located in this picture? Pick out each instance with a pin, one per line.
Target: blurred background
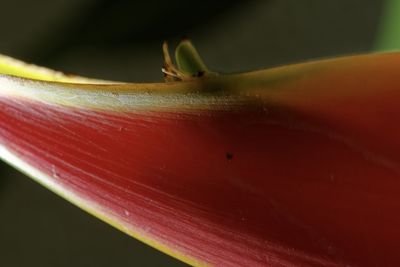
(121, 40)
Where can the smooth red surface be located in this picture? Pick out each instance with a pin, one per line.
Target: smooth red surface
(288, 195)
(296, 181)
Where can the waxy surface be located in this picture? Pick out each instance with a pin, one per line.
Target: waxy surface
(298, 165)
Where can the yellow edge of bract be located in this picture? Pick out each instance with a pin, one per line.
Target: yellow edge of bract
(15, 67)
(197, 93)
(115, 97)
(90, 207)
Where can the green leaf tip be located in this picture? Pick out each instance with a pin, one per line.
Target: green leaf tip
(189, 63)
(188, 59)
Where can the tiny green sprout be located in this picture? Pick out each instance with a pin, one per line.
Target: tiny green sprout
(190, 65)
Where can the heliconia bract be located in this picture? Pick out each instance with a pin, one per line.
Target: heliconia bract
(291, 166)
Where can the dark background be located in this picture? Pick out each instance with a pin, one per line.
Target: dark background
(121, 40)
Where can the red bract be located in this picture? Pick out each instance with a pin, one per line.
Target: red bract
(297, 165)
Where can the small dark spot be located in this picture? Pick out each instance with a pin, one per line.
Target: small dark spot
(184, 38)
(229, 156)
(200, 74)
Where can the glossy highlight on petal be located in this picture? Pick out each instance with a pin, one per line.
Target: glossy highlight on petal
(292, 166)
